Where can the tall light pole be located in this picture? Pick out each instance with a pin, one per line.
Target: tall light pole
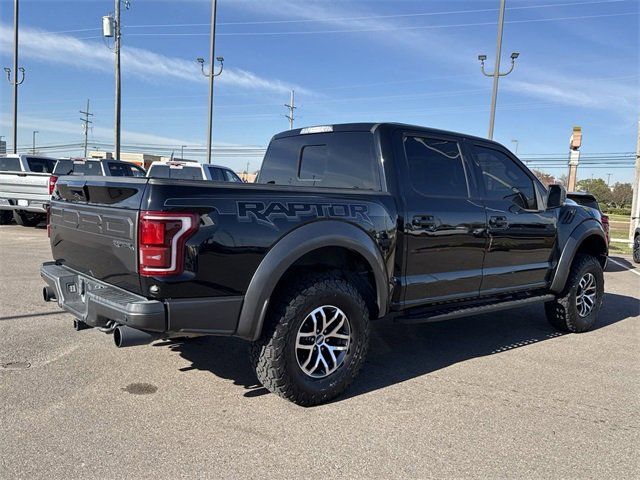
(182, 151)
(496, 70)
(15, 82)
(33, 150)
(291, 106)
(211, 74)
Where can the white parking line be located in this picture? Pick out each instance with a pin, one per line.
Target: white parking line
(632, 270)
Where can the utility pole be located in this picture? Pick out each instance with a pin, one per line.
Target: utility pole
(608, 179)
(116, 147)
(15, 82)
(496, 70)
(635, 204)
(85, 126)
(291, 106)
(211, 74)
(33, 150)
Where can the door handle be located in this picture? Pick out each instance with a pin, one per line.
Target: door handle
(424, 221)
(498, 222)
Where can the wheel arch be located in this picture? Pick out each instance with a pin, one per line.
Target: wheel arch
(304, 241)
(589, 238)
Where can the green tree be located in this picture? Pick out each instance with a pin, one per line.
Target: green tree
(621, 195)
(597, 187)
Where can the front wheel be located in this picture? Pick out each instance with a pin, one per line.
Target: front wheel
(576, 309)
(315, 340)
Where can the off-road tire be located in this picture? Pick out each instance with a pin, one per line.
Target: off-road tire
(26, 219)
(274, 355)
(6, 216)
(562, 313)
(636, 249)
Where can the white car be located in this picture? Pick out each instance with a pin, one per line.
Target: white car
(192, 171)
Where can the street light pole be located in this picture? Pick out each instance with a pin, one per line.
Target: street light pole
(33, 150)
(15, 82)
(182, 151)
(211, 74)
(496, 70)
(517, 143)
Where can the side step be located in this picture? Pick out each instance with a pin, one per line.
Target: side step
(447, 314)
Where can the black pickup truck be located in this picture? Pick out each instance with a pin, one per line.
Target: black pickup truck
(346, 224)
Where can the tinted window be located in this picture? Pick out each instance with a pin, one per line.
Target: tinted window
(138, 171)
(119, 170)
(176, 172)
(342, 160)
(231, 176)
(9, 164)
(504, 179)
(585, 201)
(435, 167)
(41, 165)
(216, 174)
(70, 167)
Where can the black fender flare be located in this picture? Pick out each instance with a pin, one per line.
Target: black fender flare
(578, 235)
(289, 249)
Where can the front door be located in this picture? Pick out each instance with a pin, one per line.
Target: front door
(444, 225)
(521, 233)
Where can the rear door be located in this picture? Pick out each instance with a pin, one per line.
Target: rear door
(444, 223)
(94, 227)
(521, 233)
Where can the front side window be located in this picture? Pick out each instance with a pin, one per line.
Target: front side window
(436, 167)
(231, 176)
(119, 170)
(504, 179)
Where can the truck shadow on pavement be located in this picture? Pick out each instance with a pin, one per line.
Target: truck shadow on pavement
(401, 352)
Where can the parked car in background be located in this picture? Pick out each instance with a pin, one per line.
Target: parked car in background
(25, 188)
(181, 170)
(589, 200)
(101, 167)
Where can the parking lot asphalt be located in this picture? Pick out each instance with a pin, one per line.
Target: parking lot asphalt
(494, 396)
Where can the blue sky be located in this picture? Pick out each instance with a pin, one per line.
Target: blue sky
(405, 61)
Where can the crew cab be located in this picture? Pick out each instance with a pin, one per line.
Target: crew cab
(189, 170)
(97, 166)
(25, 186)
(345, 225)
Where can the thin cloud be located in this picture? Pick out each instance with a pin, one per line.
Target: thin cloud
(63, 49)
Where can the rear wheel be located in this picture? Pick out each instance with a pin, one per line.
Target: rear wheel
(315, 340)
(5, 217)
(27, 219)
(576, 310)
(636, 249)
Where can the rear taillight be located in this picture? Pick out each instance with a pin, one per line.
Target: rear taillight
(52, 183)
(161, 239)
(605, 225)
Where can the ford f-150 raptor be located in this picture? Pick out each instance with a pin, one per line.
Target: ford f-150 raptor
(346, 224)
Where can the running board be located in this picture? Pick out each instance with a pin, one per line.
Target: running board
(442, 314)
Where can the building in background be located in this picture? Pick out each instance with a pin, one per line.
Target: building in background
(141, 159)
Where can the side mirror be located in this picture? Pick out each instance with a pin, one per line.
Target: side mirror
(556, 197)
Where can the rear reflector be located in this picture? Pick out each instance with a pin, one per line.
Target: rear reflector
(161, 240)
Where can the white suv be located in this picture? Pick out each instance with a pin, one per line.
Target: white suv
(192, 171)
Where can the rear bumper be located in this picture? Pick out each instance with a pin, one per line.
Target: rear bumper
(24, 204)
(97, 303)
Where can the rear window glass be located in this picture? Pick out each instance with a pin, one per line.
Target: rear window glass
(334, 160)
(178, 173)
(584, 201)
(69, 167)
(41, 165)
(9, 164)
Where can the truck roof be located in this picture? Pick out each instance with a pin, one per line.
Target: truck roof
(370, 127)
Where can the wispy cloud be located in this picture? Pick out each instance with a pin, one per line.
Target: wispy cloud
(66, 50)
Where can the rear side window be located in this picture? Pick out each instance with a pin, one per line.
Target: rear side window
(9, 164)
(435, 167)
(177, 172)
(231, 176)
(41, 165)
(334, 160)
(216, 174)
(119, 170)
(504, 179)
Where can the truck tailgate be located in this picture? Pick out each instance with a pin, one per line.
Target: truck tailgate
(24, 185)
(94, 227)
